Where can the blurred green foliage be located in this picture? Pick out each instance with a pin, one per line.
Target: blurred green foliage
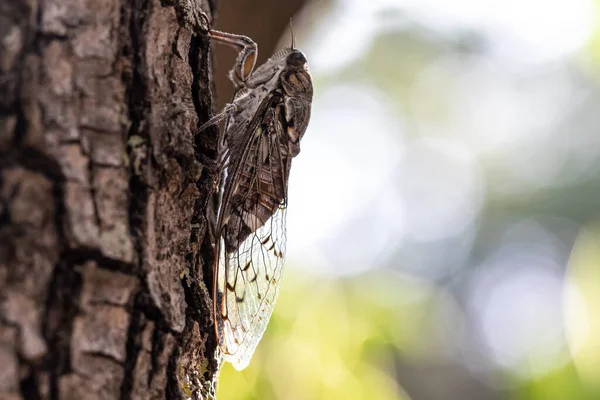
(332, 339)
(329, 340)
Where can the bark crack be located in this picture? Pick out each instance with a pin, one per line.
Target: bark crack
(131, 353)
(61, 307)
(132, 25)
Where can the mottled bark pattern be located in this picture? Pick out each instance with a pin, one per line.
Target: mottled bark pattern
(103, 186)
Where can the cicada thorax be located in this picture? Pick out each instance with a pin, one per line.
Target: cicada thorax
(261, 185)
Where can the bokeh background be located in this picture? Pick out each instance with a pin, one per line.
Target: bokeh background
(444, 212)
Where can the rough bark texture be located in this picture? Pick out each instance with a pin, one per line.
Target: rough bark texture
(102, 190)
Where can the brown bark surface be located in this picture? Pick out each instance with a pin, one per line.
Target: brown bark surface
(103, 185)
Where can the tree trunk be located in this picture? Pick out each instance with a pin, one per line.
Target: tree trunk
(104, 257)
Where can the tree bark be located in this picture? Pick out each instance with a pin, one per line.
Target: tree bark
(104, 257)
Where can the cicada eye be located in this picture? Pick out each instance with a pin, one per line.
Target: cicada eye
(296, 59)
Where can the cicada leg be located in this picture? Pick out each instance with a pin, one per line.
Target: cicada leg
(247, 52)
(227, 110)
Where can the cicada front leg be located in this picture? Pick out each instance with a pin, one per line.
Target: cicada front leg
(247, 52)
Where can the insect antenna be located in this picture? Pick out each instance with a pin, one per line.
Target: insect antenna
(293, 37)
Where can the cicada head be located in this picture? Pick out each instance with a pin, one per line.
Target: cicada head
(295, 79)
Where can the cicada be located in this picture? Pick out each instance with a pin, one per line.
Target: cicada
(264, 125)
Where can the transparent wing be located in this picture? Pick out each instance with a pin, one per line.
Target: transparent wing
(247, 286)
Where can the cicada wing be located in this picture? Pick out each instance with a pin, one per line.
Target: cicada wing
(250, 253)
(247, 285)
